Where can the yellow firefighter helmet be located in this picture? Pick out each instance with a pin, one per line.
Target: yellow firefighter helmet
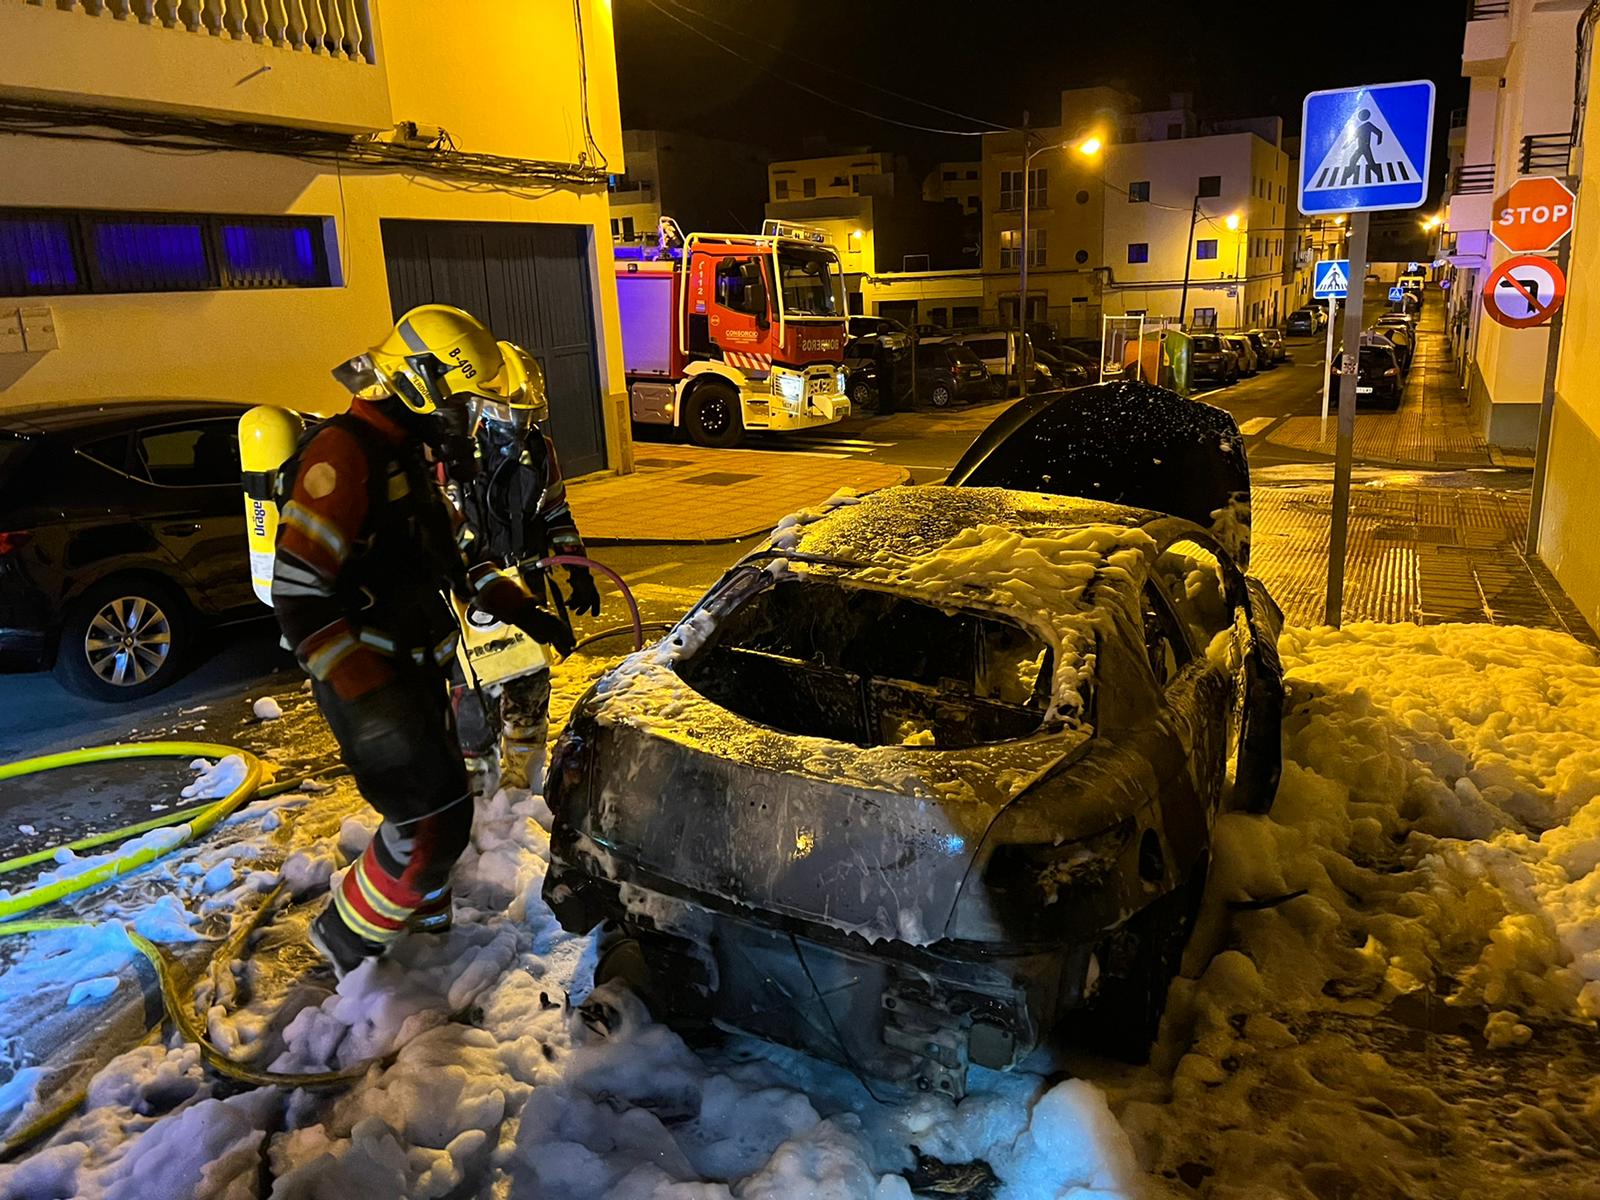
(518, 396)
(435, 356)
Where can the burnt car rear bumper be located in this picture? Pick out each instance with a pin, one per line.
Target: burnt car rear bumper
(915, 1017)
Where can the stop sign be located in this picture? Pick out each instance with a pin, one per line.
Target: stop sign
(1534, 214)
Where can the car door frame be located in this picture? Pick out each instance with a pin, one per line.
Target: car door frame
(213, 554)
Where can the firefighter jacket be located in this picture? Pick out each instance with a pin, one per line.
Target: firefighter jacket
(366, 553)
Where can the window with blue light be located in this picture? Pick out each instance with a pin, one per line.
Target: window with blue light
(56, 252)
(37, 257)
(145, 255)
(268, 253)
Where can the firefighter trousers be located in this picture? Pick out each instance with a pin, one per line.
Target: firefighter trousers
(399, 742)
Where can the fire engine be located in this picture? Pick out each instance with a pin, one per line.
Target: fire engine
(724, 332)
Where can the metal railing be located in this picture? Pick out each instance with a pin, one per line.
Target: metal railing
(1488, 10)
(1544, 153)
(1472, 179)
(337, 28)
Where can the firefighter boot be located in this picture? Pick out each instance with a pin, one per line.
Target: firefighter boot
(483, 772)
(524, 723)
(437, 914)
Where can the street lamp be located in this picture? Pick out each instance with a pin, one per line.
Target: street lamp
(1088, 146)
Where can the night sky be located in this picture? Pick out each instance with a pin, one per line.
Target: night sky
(990, 59)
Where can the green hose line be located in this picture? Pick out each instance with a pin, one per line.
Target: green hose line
(175, 817)
(204, 817)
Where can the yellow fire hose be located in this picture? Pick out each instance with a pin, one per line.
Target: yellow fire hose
(200, 819)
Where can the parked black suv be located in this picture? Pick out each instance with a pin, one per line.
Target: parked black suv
(122, 532)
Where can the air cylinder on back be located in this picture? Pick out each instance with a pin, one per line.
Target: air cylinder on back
(267, 437)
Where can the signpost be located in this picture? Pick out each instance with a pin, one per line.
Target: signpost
(1396, 294)
(1330, 281)
(1363, 149)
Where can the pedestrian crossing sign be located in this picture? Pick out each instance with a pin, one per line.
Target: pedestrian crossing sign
(1366, 148)
(1331, 279)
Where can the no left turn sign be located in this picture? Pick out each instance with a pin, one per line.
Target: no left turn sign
(1524, 291)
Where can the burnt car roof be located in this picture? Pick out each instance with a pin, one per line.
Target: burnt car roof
(1126, 443)
(112, 415)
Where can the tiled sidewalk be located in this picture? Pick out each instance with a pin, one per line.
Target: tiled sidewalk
(1418, 553)
(1431, 429)
(690, 494)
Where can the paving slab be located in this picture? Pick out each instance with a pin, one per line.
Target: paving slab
(688, 494)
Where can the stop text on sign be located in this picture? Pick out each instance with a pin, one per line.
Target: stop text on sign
(1540, 214)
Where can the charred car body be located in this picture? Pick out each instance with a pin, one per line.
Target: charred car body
(923, 776)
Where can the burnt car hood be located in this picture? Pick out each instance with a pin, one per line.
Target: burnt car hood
(874, 841)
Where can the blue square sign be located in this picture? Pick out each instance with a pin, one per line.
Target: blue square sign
(1366, 148)
(1330, 279)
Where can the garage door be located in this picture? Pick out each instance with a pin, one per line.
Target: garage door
(530, 284)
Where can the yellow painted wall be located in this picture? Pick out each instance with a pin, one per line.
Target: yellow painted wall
(278, 345)
(1567, 541)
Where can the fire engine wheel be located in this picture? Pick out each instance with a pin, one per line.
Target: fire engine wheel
(713, 416)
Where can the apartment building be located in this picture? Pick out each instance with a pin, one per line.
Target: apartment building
(1112, 193)
(1211, 208)
(322, 167)
(871, 207)
(702, 183)
(958, 181)
(1517, 55)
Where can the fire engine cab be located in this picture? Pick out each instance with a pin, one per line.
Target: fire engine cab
(724, 332)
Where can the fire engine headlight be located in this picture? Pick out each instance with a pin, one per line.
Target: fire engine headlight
(838, 382)
(791, 388)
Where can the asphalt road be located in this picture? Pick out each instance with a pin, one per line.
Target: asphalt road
(37, 715)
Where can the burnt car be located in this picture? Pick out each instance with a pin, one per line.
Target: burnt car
(921, 779)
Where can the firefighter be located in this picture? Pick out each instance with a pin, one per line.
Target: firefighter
(516, 513)
(366, 551)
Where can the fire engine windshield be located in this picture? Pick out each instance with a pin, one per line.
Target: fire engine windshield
(808, 283)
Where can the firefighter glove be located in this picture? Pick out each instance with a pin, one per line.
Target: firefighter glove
(544, 627)
(583, 597)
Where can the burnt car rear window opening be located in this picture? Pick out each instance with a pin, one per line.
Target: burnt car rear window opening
(816, 658)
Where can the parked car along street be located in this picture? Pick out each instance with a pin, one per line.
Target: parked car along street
(1264, 357)
(1211, 359)
(122, 533)
(1240, 345)
(948, 372)
(1378, 380)
(1275, 343)
(1302, 322)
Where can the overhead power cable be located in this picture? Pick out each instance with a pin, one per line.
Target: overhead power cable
(810, 91)
(823, 66)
